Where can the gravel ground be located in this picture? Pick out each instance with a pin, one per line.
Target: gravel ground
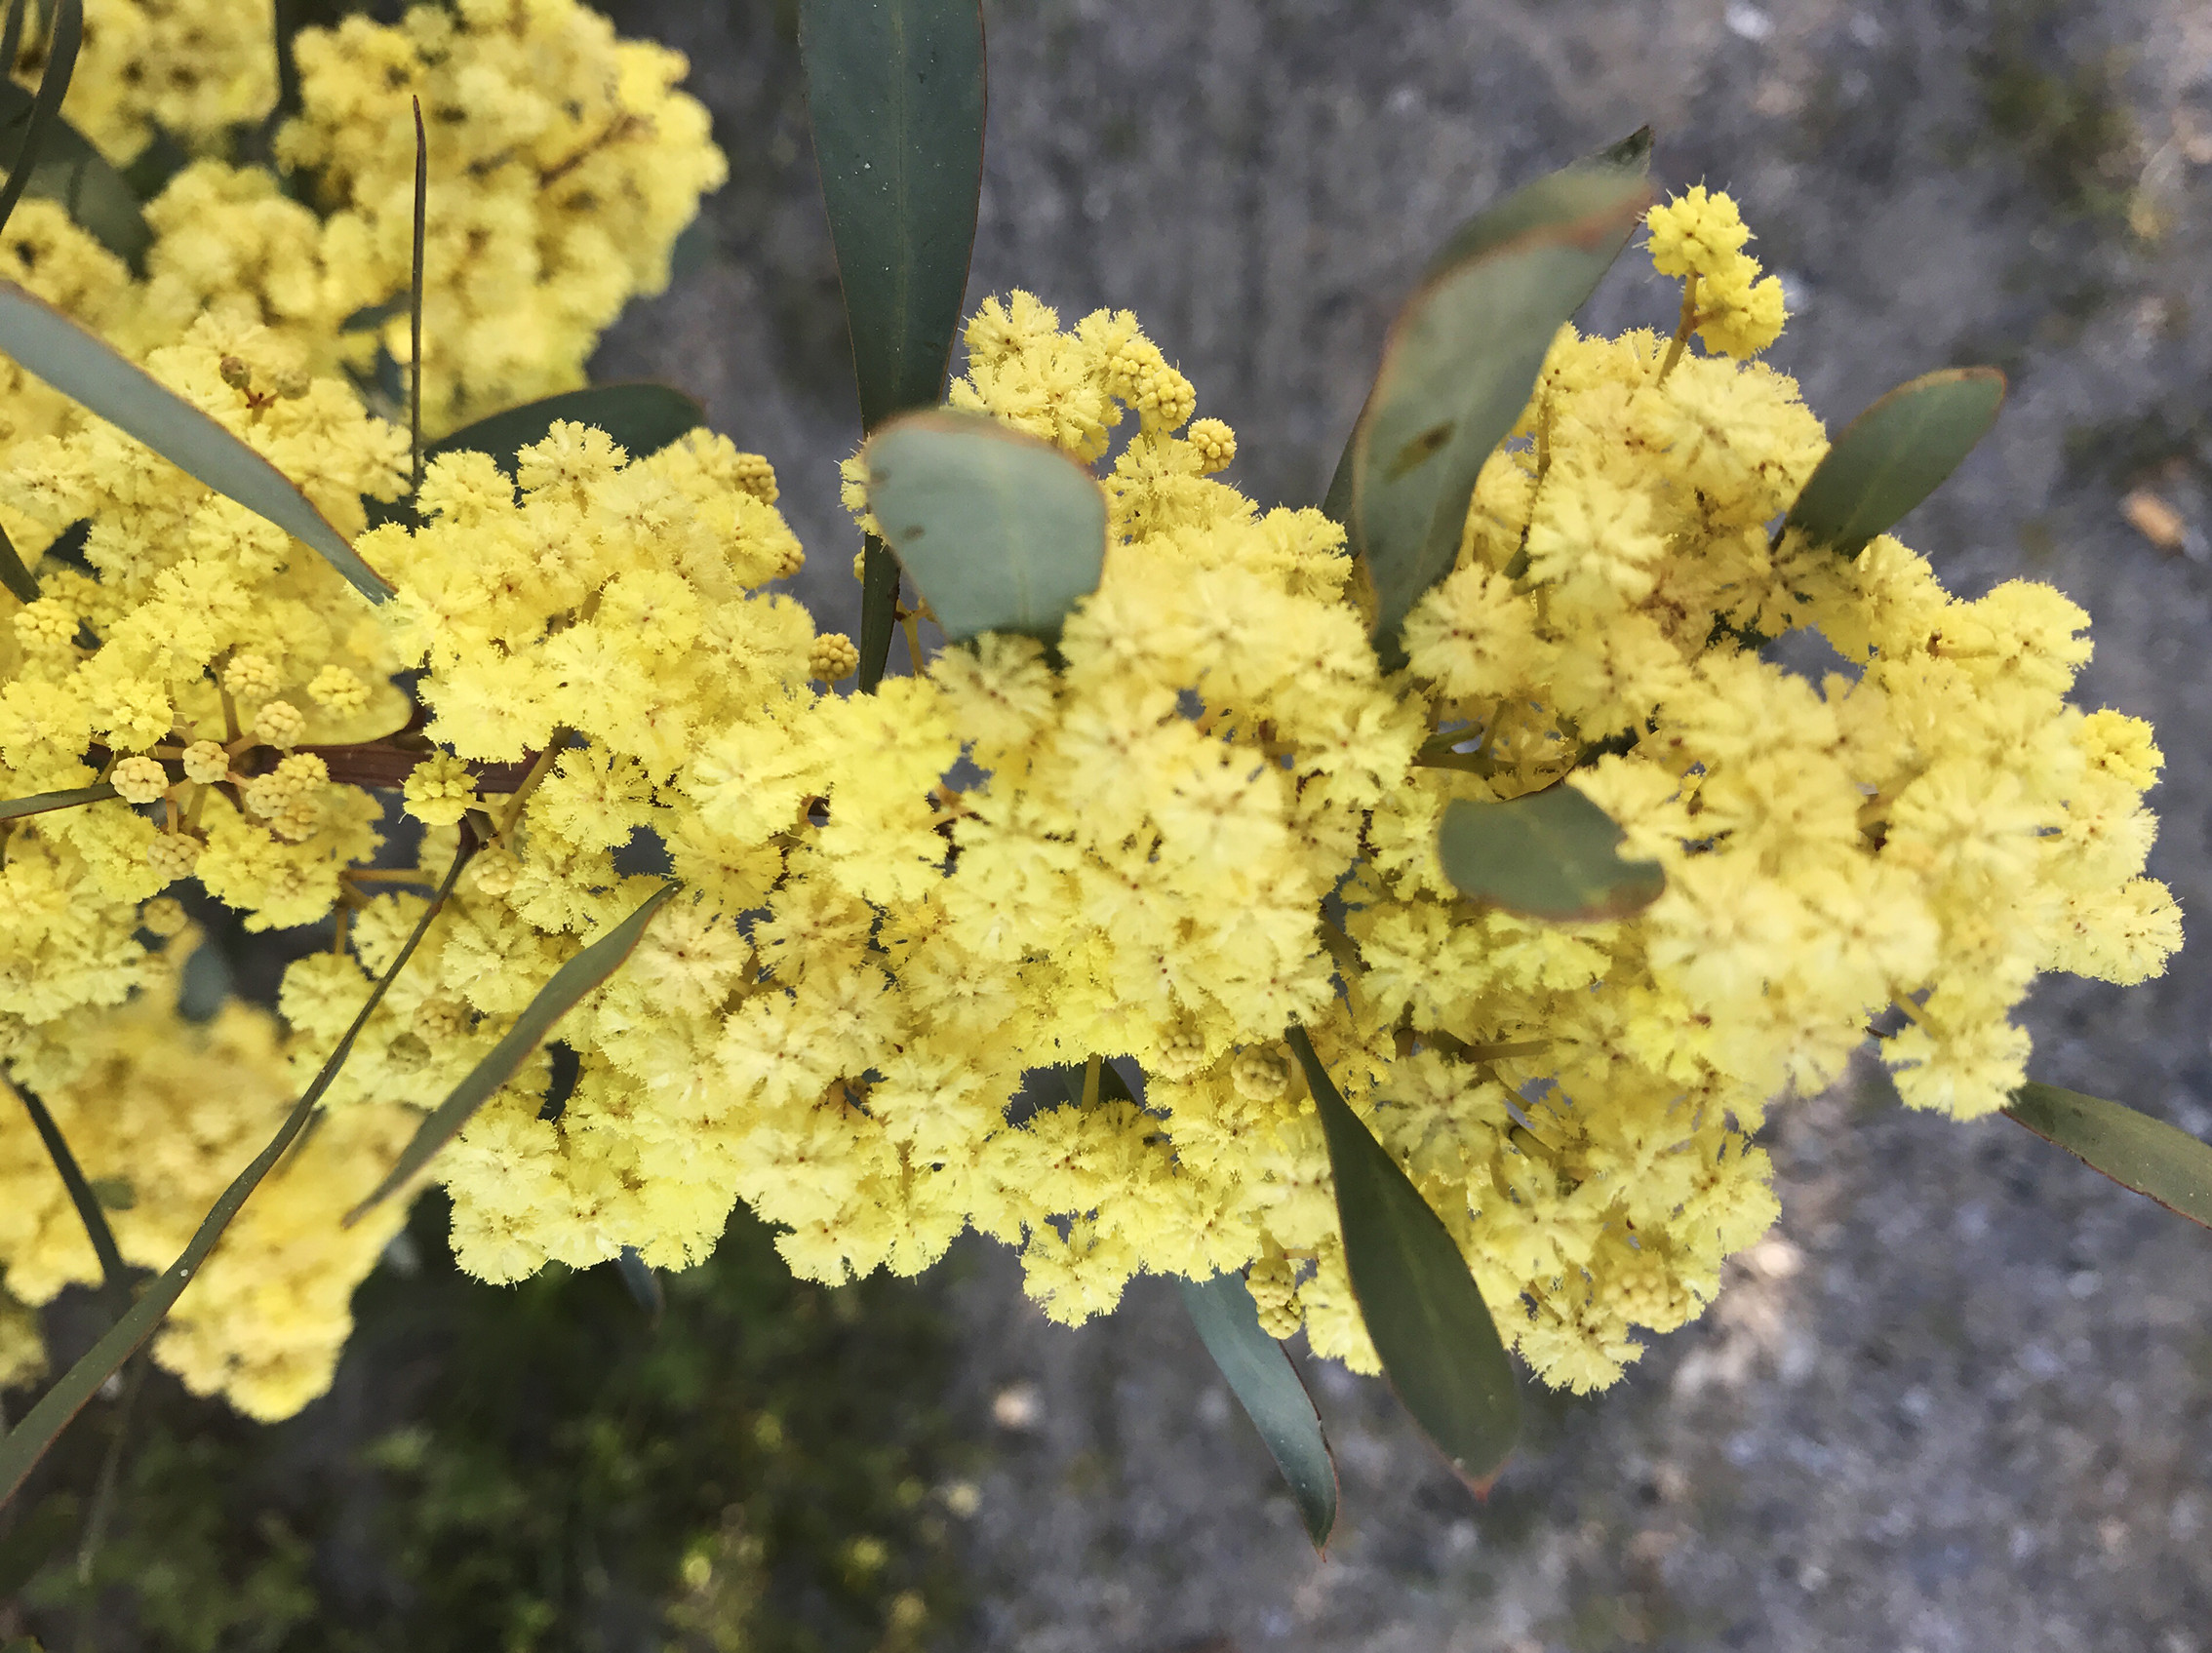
(1962, 1398)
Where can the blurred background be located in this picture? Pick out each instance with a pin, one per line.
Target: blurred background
(1960, 1400)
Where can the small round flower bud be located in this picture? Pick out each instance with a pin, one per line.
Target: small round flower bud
(1647, 1293)
(441, 1020)
(138, 780)
(47, 627)
(235, 372)
(495, 869)
(1164, 398)
(832, 657)
(1274, 1284)
(293, 383)
(206, 762)
(164, 916)
(281, 724)
(268, 795)
(755, 476)
(1182, 1056)
(1259, 1076)
(1215, 441)
(172, 855)
(250, 676)
(300, 820)
(440, 790)
(861, 564)
(337, 689)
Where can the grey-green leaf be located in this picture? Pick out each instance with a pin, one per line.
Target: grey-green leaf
(1895, 454)
(895, 94)
(1000, 531)
(1423, 1309)
(2134, 1150)
(69, 171)
(1552, 854)
(555, 999)
(38, 803)
(86, 368)
(642, 417)
(1459, 365)
(23, 1445)
(1274, 1396)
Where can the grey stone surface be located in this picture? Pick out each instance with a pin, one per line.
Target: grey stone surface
(1962, 1398)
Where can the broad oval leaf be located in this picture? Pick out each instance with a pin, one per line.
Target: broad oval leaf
(1000, 531)
(555, 1000)
(23, 1445)
(1460, 362)
(896, 96)
(1895, 454)
(2134, 1150)
(1274, 1396)
(68, 170)
(85, 368)
(1423, 1309)
(1552, 854)
(642, 417)
(39, 803)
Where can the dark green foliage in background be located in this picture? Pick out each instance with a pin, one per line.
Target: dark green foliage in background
(532, 1467)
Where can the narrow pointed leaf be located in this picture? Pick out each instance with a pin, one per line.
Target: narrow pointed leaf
(88, 370)
(69, 171)
(115, 1274)
(35, 1539)
(1895, 454)
(1552, 854)
(22, 1446)
(999, 530)
(555, 1000)
(1460, 362)
(39, 803)
(896, 94)
(879, 609)
(21, 583)
(2134, 1150)
(32, 140)
(642, 417)
(895, 91)
(1424, 1311)
(1274, 1396)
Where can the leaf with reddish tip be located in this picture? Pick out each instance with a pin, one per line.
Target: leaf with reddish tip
(2135, 1150)
(1895, 454)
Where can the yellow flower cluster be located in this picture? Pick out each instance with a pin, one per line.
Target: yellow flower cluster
(1928, 832)
(896, 908)
(1700, 236)
(162, 1114)
(563, 165)
(43, 250)
(194, 69)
